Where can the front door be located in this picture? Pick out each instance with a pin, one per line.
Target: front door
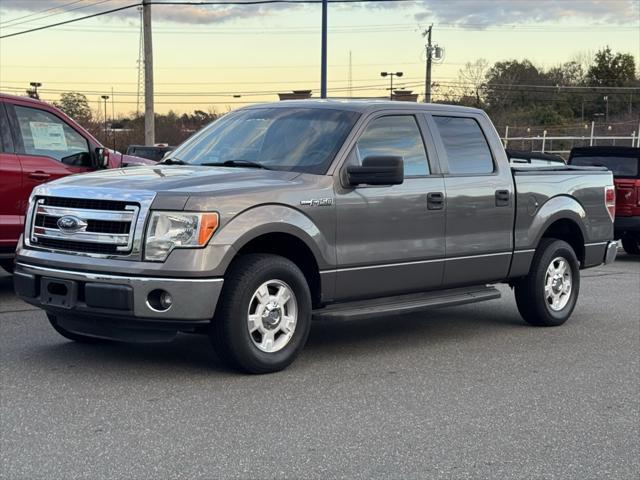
(11, 213)
(390, 239)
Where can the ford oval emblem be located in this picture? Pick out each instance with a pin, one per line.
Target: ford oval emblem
(71, 224)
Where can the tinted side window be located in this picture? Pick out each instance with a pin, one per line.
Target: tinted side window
(465, 145)
(396, 135)
(45, 134)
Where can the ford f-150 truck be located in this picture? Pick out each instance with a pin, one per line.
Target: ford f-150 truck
(275, 215)
(39, 143)
(624, 163)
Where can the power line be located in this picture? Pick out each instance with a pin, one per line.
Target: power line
(203, 3)
(11, 20)
(113, 10)
(96, 3)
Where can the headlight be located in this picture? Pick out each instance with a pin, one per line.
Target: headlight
(169, 230)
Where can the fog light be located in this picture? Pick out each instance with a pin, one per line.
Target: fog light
(159, 300)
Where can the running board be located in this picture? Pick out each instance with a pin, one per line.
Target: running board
(403, 304)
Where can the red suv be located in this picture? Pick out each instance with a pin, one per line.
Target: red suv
(624, 163)
(39, 143)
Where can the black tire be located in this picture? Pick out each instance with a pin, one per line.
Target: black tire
(631, 245)
(229, 332)
(76, 337)
(7, 265)
(530, 291)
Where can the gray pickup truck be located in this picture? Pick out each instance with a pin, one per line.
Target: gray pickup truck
(278, 214)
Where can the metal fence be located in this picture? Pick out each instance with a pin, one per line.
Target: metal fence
(562, 144)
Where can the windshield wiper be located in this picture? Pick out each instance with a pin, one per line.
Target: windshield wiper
(173, 161)
(236, 163)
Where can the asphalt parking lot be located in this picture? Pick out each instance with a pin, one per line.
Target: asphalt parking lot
(465, 392)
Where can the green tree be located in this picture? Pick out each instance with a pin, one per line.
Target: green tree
(76, 106)
(611, 70)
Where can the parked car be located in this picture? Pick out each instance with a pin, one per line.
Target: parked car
(535, 159)
(624, 162)
(39, 143)
(278, 213)
(155, 153)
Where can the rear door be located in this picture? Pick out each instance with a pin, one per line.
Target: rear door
(479, 200)
(389, 238)
(11, 204)
(48, 147)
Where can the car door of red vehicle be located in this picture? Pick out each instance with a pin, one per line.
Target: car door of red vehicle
(11, 214)
(47, 146)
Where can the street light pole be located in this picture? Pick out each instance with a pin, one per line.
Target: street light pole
(323, 53)
(606, 114)
(391, 75)
(105, 98)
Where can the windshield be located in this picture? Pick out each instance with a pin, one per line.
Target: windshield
(620, 166)
(293, 139)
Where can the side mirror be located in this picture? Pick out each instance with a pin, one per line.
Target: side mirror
(377, 171)
(102, 157)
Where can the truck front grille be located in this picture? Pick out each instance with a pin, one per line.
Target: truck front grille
(84, 225)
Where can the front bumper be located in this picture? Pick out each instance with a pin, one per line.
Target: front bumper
(75, 293)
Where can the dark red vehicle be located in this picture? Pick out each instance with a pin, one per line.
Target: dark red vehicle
(624, 163)
(39, 143)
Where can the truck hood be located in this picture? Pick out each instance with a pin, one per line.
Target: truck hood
(180, 179)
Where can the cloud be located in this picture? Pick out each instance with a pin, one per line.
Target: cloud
(485, 13)
(476, 13)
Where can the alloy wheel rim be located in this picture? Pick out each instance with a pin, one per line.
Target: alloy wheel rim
(558, 284)
(272, 316)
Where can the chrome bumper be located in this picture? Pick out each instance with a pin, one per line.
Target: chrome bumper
(611, 252)
(193, 299)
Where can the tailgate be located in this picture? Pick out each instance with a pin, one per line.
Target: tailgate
(627, 197)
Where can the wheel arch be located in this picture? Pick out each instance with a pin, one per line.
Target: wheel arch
(283, 231)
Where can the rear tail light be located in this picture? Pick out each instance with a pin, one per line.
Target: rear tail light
(610, 201)
(638, 195)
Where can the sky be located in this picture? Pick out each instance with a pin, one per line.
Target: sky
(205, 56)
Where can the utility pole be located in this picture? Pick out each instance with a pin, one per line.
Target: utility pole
(105, 98)
(323, 53)
(427, 78)
(149, 120)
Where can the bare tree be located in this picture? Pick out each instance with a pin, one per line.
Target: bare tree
(472, 78)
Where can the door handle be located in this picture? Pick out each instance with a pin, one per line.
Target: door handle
(502, 198)
(39, 175)
(435, 201)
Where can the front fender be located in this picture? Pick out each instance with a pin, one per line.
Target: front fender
(274, 218)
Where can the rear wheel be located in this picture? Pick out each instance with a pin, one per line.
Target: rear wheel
(548, 295)
(76, 337)
(631, 245)
(264, 316)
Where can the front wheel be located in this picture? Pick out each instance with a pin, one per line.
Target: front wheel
(547, 296)
(264, 316)
(631, 245)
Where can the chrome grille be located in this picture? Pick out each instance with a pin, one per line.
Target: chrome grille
(97, 226)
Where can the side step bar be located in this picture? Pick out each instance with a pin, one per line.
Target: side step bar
(403, 304)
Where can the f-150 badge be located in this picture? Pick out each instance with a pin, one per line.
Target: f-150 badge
(317, 202)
